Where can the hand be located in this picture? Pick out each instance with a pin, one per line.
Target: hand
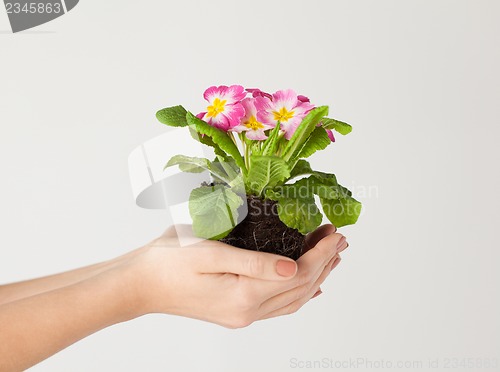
(209, 281)
(229, 286)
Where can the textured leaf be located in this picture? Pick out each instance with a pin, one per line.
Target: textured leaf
(219, 137)
(270, 145)
(174, 116)
(337, 201)
(228, 167)
(312, 185)
(206, 140)
(189, 164)
(343, 211)
(266, 172)
(300, 213)
(302, 167)
(319, 183)
(337, 125)
(214, 210)
(303, 132)
(198, 165)
(318, 140)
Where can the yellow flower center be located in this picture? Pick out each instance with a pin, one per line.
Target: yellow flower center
(283, 115)
(216, 108)
(253, 124)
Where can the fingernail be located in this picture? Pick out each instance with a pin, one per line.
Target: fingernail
(344, 247)
(317, 293)
(286, 268)
(341, 241)
(335, 263)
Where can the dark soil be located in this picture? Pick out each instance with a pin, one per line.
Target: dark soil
(262, 230)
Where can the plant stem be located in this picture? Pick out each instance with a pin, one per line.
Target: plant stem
(247, 156)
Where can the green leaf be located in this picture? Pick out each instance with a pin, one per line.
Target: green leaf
(189, 164)
(337, 201)
(319, 183)
(174, 116)
(266, 172)
(214, 210)
(325, 178)
(302, 167)
(318, 140)
(336, 125)
(343, 211)
(219, 137)
(299, 213)
(205, 140)
(228, 166)
(303, 132)
(312, 185)
(270, 145)
(198, 165)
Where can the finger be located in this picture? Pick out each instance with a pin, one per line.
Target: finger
(223, 258)
(294, 306)
(286, 298)
(318, 292)
(335, 263)
(309, 265)
(313, 238)
(318, 256)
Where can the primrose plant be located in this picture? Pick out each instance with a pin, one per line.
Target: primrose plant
(260, 141)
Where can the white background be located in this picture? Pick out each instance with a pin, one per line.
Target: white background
(419, 81)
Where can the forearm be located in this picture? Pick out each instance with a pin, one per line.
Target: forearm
(16, 291)
(36, 327)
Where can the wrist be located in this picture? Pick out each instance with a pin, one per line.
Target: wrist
(137, 283)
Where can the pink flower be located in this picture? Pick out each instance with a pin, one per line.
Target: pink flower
(330, 135)
(254, 129)
(224, 110)
(258, 93)
(328, 131)
(286, 108)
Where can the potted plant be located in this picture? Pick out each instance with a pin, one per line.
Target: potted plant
(262, 190)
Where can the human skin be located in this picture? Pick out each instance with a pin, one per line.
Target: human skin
(209, 281)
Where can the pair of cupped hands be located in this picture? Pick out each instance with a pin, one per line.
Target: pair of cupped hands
(229, 286)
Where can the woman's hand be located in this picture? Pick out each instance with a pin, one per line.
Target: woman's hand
(209, 281)
(225, 285)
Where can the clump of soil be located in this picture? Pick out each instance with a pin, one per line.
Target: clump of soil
(262, 230)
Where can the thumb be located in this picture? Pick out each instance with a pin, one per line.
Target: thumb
(259, 265)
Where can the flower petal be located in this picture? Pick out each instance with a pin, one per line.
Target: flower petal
(263, 104)
(233, 94)
(265, 108)
(218, 121)
(214, 92)
(303, 108)
(330, 135)
(240, 128)
(266, 117)
(256, 135)
(234, 114)
(290, 126)
(285, 98)
(250, 109)
(258, 93)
